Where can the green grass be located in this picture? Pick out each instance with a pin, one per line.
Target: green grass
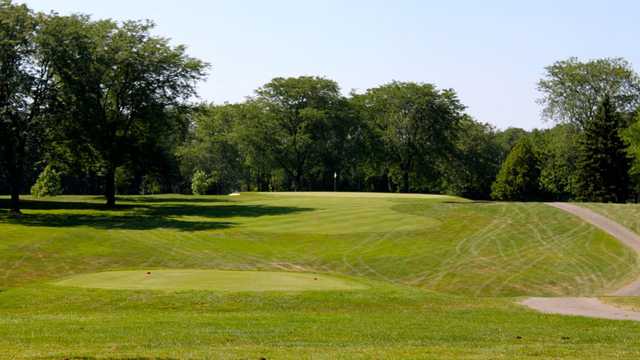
(384, 322)
(625, 214)
(213, 280)
(442, 276)
(361, 195)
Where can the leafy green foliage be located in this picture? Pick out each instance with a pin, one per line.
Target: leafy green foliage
(212, 147)
(631, 136)
(150, 185)
(415, 128)
(124, 178)
(103, 99)
(573, 90)
(476, 163)
(294, 117)
(49, 183)
(117, 85)
(508, 138)
(24, 85)
(603, 164)
(519, 176)
(200, 183)
(558, 148)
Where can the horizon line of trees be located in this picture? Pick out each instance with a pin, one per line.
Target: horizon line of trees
(593, 153)
(303, 134)
(95, 106)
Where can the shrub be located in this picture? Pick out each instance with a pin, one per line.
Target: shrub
(150, 185)
(49, 183)
(519, 176)
(200, 183)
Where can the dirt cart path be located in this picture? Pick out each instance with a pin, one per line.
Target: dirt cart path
(590, 307)
(593, 307)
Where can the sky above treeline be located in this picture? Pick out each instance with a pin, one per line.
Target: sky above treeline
(491, 52)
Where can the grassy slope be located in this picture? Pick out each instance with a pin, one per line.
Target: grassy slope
(400, 247)
(456, 247)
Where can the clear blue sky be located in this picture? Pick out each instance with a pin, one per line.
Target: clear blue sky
(491, 52)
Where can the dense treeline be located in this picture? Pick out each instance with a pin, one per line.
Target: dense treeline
(592, 154)
(94, 106)
(302, 134)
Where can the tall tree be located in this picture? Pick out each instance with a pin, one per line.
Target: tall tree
(341, 146)
(154, 157)
(212, 148)
(250, 138)
(519, 175)
(572, 90)
(558, 149)
(295, 114)
(508, 138)
(117, 83)
(476, 163)
(631, 136)
(603, 164)
(24, 81)
(416, 124)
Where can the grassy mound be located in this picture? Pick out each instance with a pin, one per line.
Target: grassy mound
(214, 280)
(443, 244)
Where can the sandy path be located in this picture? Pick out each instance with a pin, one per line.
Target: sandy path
(593, 307)
(590, 307)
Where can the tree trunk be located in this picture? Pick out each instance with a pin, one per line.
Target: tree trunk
(298, 183)
(387, 180)
(14, 157)
(110, 186)
(405, 181)
(15, 196)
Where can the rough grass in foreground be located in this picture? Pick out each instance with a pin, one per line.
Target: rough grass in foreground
(382, 322)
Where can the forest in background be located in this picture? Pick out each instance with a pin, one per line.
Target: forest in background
(100, 107)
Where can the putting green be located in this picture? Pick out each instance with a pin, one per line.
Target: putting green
(214, 280)
(329, 194)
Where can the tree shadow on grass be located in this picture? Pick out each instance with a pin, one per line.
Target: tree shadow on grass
(470, 202)
(108, 358)
(125, 222)
(66, 205)
(160, 200)
(143, 217)
(127, 203)
(224, 211)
